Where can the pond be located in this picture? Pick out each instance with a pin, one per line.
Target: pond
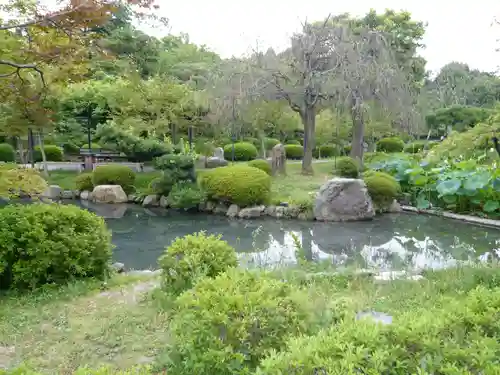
(389, 242)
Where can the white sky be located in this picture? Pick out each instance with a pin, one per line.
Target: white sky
(457, 30)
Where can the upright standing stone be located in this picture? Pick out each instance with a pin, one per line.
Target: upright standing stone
(219, 153)
(278, 160)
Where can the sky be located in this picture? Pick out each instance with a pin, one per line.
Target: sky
(457, 30)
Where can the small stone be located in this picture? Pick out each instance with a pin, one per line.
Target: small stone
(76, 193)
(270, 210)
(67, 194)
(118, 267)
(210, 206)
(251, 212)
(131, 198)
(163, 201)
(85, 195)
(151, 201)
(233, 210)
(395, 207)
(220, 209)
(52, 192)
(292, 212)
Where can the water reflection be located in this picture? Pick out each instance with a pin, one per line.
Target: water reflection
(388, 242)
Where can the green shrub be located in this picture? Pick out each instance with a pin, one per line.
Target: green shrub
(227, 325)
(243, 151)
(239, 184)
(52, 153)
(390, 144)
(382, 188)
(84, 182)
(192, 257)
(175, 169)
(114, 175)
(294, 152)
(147, 150)
(204, 147)
(293, 142)
(261, 164)
(346, 150)
(51, 243)
(7, 153)
(185, 195)
(269, 143)
(346, 166)
(70, 148)
(325, 151)
(432, 144)
(106, 370)
(255, 141)
(93, 146)
(415, 147)
(459, 336)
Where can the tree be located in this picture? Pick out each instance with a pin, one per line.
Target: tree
(460, 118)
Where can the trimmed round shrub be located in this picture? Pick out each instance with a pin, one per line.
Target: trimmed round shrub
(84, 182)
(243, 151)
(71, 148)
(52, 153)
(261, 164)
(382, 188)
(346, 167)
(17, 182)
(346, 150)
(192, 257)
(325, 151)
(114, 175)
(7, 153)
(255, 141)
(239, 184)
(227, 325)
(269, 143)
(415, 147)
(293, 142)
(391, 144)
(294, 152)
(51, 243)
(93, 146)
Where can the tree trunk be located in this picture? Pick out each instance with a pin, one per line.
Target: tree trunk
(309, 121)
(42, 151)
(20, 149)
(358, 129)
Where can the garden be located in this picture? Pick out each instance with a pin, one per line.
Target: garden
(96, 111)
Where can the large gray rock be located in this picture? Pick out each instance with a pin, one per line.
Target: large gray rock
(343, 199)
(219, 153)
(233, 210)
(251, 212)
(214, 162)
(85, 195)
(109, 194)
(151, 201)
(52, 192)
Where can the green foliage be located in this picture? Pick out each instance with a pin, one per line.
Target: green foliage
(473, 143)
(460, 118)
(84, 182)
(227, 325)
(346, 166)
(458, 336)
(204, 147)
(464, 187)
(390, 144)
(239, 184)
(415, 147)
(93, 146)
(52, 153)
(243, 151)
(269, 143)
(186, 195)
(51, 243)
(325, 151)
(114, 175)
(16, 182)
(255, 141)
(293, 142)
(7, 153)
(261, 164)
(175, 169)
(347, 150)
(71, 148)
(294, 152)
(106, 370)
(194, 257)
(382, 188)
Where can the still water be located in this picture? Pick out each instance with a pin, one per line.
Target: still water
(397, 241)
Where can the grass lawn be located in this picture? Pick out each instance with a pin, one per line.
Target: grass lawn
(293, 188)
(80, 325)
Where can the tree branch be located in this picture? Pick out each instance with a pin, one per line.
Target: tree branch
(19, 67)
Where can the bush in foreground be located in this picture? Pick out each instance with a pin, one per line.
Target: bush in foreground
(52, 153)
(226, 325)
(238, 184)
(458, 337)
(243, 151)
(114, 175)
(294, 152)
(382, 188)
(192, 257)
(51, 243)
(346, 167)
(84, 182)
(16, 182)
(390, 144)
(7, 153)
(261, 164)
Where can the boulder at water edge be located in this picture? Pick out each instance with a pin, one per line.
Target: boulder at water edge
(343, 199)
(109, 194)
